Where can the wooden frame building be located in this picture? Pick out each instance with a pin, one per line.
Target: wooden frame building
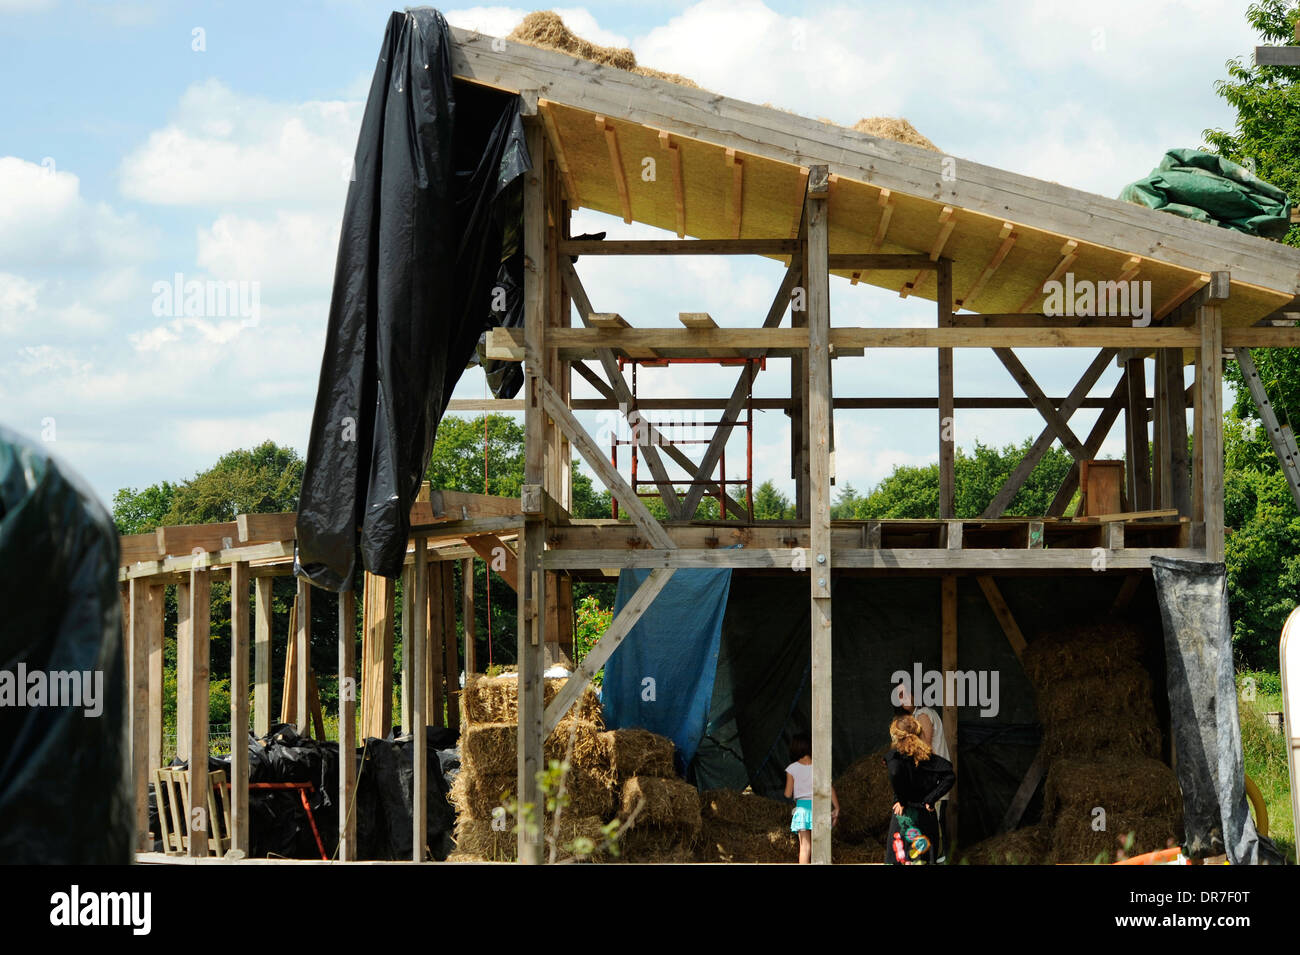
(738, 179)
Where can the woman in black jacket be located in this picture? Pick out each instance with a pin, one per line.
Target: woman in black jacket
(920, 779)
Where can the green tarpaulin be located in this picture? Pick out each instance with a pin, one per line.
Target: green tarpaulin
(1208, 188)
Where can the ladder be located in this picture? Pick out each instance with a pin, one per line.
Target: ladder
(1280, 435)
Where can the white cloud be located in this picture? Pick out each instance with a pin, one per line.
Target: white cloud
(44, 220)
(224, 147)
(292, 250)
(17, 301)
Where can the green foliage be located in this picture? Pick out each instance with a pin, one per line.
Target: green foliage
(913, 492)
(1264, 751)
(770, 504)
(459, 454)
(137, 512)
(591, 622)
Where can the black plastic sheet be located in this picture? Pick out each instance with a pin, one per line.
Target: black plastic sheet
(1203, 709)
(431, 216)
(65, 772)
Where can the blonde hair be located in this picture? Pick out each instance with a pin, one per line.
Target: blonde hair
(905, 737)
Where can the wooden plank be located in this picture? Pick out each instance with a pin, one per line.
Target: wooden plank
(1128, 516)
(947, 416)
(783, 404)
(433, 653)
(948, 621)
(879, 261)
(378, 626)
(571, 247)
(468, 615)
(1069, 252)
(696, 319)
(145, 630)
(615, 166)
(771, 134)
(451, 658)
(1137, 448)
(1265, 337)
(1002, 500)
(136, 547)
(1176, 459)
(302, 641)
(735, 210)
(239, 581)
(886, 202)
(499, 557)
(263, 528)
(1003, 614)
(419, 716)
(816, 280)
(263, 615)
(599, 654)
(587, 447)
(947, 222)
(200, 646)
(184, 539)
(546, 109)
(1008, 237)
(156, 635)
(1209, 380)
(347, 851)
(184, 669)
(679, 191)
(408, 592)
(1025, 792)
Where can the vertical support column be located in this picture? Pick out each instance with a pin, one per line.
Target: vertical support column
(799, 423)
(199, 593)
(1176, 461)
(239, 706)
(531, 585)
(817, 283)
(377, 654)
(408, 628)
(1137, 451)
(184, 671)
(263, 612)
(947, 412)
(1161, 492)
(1209, 383)
(451, 659)
(419, 729)
(146, 616)
(303, 638)
(948, 612)
(468, 614)
(347, 724)
(157, 595)
(433, 655)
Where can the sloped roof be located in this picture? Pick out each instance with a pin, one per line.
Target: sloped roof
(872, 179)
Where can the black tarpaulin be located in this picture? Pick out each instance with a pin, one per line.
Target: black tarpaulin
(1203, 710)
(431, 217)
(65, 772)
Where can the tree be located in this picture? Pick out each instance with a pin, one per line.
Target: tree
(770, 504)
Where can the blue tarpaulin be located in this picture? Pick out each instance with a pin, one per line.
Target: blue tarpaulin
(661, 676)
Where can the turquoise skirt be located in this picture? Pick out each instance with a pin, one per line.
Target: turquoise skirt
(802, 819)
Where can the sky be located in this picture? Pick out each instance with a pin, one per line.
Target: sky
(145, 144)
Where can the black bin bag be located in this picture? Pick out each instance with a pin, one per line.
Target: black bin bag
(65, 773)
(430, 230)
(1193, 599)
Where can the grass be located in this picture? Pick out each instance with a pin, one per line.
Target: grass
(1265, 754)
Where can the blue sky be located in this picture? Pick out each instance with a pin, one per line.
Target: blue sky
(128, 156)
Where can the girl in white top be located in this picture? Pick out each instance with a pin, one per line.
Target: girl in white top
(799, 787)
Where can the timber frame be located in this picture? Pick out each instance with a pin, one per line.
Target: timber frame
(824, 201)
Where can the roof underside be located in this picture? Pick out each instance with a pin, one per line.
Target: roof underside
(885, 196)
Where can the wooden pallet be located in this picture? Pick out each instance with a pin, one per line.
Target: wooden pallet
(172, 791)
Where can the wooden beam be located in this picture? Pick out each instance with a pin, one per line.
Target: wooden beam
(771, 247)
(184, 668)
(1182, 295)
(451, 657)
(347, 851)
(1176, 460)
(1054, 419)
(1069, 252)
(679, 189)
(263, 614)
(948, 622)
(947, 416)
(499, 557)
(137, 547)
(146, 627)
(947, 221)
(157, 636)
(419, 716)
(587, 447)
(1137, 448)
(1002, 500)
(599, 654)
(1025, 791)
(886, 202)
(470, 620)
(736, 196)
(302, 640)
(615, 165)
(879, 261)
(1003, 613)
(187, 539)
(1008, 235)
(200, 645)
(263, 528)
(1209, 382)
(239, 581)
(546, 109)
(820, 426)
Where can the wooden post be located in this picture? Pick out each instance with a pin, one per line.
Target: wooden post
(817, 283)
(199, 622)
(1176, 430)
(184, 671)
(302, 705)
(1137, 449)
(146, 608)
(347, 724)
(419, 730)
(157, 603)
(263, 612)
(947, 419)
(239, 707)
(1161, 493)
(948, 611)
(451, 659)
(377, 655)
(1209, 382)
(408, 628)
(433, 655)
(531, 585)
(467, 611)
(799, 425)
